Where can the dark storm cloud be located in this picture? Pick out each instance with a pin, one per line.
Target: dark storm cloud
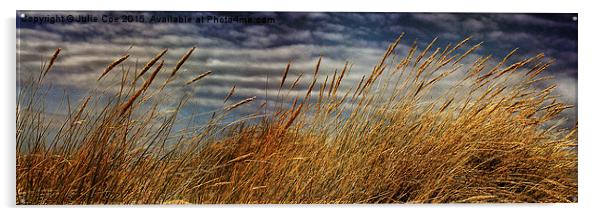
(247, 55)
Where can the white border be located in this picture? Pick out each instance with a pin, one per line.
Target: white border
(589, 104)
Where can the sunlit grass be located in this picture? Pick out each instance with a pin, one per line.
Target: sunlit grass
(393, 137)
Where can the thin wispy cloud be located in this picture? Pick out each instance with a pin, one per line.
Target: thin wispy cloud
(246, 55)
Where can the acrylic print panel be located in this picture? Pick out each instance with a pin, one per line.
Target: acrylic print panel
(295, 107)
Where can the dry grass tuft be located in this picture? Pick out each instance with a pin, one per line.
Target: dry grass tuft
(394, 137)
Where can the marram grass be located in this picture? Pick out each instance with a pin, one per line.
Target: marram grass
(392, 137)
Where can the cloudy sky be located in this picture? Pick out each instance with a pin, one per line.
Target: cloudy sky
(247, 54)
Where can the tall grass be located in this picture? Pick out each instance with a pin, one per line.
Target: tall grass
(393, 137)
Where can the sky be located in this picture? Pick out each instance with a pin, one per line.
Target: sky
(245, 55)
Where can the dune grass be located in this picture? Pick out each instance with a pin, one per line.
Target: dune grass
(393, 137)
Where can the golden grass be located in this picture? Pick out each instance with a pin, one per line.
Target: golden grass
(393, 137)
